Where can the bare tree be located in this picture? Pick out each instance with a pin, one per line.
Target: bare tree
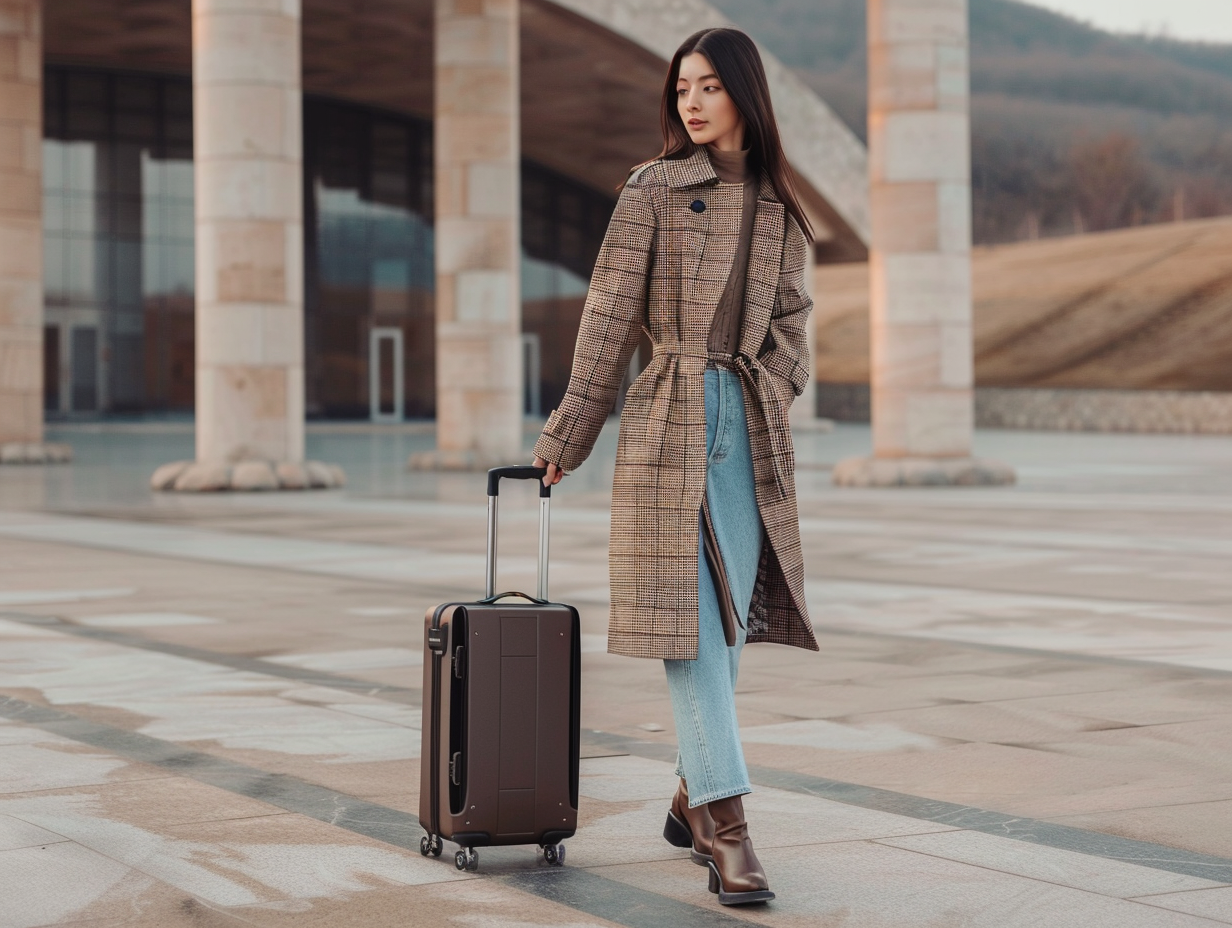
(1111, 184)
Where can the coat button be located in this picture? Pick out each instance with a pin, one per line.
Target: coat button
(697, 206)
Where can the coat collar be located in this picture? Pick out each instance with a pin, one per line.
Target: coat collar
(697, 171)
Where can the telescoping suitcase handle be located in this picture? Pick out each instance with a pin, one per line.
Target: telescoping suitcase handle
(518, 472)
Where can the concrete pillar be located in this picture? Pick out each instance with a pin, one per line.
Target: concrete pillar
(21, 235)
(247, 157)
(477, 229)
(920, 257)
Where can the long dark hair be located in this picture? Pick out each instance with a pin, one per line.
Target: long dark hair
(737, 63)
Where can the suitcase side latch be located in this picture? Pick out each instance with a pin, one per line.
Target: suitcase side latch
(459, 662)
(436, 639)
(455, 768)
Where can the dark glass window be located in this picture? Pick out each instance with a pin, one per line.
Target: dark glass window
(118, 238)
(368, 241)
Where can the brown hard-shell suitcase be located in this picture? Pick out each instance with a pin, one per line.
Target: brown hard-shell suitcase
(501, 712)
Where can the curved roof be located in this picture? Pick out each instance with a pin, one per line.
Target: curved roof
(591, 76)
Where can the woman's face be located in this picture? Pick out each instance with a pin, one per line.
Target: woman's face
(708, 113)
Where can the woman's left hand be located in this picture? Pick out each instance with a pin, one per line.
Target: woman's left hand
(554, 475)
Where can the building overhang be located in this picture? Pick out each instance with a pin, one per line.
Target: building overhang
(591, 77)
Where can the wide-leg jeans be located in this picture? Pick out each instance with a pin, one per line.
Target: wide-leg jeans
(703, 691)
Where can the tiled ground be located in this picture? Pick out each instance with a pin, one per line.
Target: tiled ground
(1021, 713)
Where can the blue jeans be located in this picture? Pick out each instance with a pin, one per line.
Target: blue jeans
(703, 691)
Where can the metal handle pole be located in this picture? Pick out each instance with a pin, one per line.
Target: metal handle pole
(490, 583)
(544, 503)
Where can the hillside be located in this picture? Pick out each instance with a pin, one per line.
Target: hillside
(1072, 128)
(1143, 308)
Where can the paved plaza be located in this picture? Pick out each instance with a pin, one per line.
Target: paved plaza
(1020, 714)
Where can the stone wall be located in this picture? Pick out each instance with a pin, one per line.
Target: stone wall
(1147, 411)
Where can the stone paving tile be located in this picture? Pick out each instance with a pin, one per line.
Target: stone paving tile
(16, 834)
(1208, 903)
(1197, 826)
(160, 801)
(875, 886)
(65, 882)
(52, 763)
(1050, 865)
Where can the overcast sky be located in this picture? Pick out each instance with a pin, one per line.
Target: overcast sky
(1204, 20)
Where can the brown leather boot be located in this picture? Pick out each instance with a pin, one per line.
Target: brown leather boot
(691, 828)
(735, 873)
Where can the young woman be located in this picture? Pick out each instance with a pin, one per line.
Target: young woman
(706, 253)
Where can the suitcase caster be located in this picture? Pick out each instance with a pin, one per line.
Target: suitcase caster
(554, 854)
(430, 844)
(466, 859)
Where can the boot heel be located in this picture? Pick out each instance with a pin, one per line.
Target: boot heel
(676, 833)
(714, 885)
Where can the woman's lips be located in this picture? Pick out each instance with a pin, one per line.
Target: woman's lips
(696, 123)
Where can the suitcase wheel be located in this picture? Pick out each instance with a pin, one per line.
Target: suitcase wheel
(430, 844)
(554, 854)
(466, 859)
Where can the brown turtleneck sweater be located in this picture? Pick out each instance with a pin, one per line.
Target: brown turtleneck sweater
(733, 168)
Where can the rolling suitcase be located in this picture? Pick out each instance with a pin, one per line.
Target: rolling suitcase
(501, 712)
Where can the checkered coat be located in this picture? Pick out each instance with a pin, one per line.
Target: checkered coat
(662, 268)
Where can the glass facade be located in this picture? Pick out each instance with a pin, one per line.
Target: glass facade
(118, 208)
(118, 243)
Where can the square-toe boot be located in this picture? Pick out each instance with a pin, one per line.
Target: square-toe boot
(691, 828)
(735, 872)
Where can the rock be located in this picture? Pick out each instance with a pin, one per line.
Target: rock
(253, 475)
(165, 477)
(921, 472)
(247, 476)
(319, 475)
(202, 477)
(292, 476)
(12, 453)
(57, 453)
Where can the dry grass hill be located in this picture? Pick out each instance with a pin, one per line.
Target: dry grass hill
(1141, 308)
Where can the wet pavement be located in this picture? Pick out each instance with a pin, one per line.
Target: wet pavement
(1020, 714)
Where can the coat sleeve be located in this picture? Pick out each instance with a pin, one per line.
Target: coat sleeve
(612, 321)
(787, 357)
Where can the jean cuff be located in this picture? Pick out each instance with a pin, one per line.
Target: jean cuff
(715, 795)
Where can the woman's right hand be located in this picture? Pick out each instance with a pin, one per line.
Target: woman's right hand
(554, 475)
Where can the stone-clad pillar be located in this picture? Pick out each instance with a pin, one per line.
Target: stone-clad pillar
(247, 161)
(920, 257)
(21, 236)
(477, 231)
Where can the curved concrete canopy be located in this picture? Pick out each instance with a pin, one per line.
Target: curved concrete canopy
(824, 152)
(592, 73)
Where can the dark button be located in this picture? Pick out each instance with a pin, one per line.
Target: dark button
(697, 206)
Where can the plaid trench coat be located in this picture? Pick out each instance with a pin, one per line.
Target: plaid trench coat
(662, 268)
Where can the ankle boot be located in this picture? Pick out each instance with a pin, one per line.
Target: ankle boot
(735, 872)
(691, 828)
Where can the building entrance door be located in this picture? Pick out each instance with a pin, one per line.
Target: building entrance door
(83, 368)
(385, 376)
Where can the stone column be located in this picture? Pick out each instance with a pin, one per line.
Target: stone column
(920, 256)
(247, 161)
(21, 236)
(478, 237)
